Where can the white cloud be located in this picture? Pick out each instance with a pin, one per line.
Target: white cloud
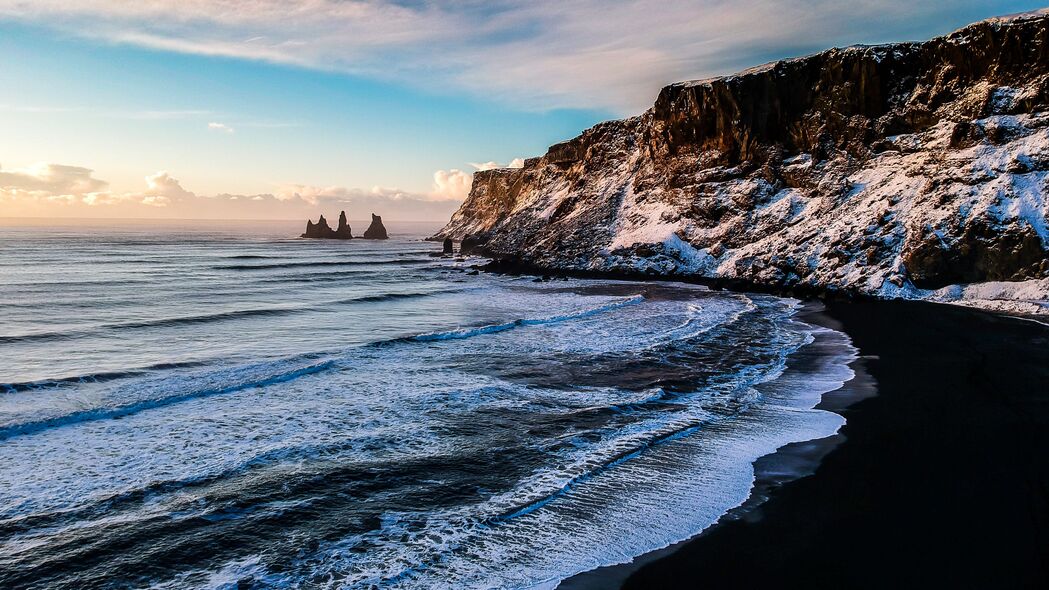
(220, 127)
(455, 183)
(161, 184)
(486, 165)
(537, 54)
(53, 179)
(452, 184)
(54, 189)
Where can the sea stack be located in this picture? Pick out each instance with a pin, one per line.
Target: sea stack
(376, 231)
(449, 246)
(343, 232)
(322, 230)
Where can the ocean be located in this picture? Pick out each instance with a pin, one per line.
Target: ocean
(224, 405)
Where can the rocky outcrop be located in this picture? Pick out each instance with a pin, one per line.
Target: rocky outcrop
(449, 246)
(376, 231)
(343, 231)
(322, 230)
(903, 170)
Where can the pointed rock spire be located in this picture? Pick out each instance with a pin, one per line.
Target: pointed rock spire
(376, 231)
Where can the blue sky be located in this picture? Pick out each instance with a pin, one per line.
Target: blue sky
(142, 109)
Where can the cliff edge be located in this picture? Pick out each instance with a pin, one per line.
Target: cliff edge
(913, 170)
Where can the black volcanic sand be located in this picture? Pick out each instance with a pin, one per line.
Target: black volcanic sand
(942, 479)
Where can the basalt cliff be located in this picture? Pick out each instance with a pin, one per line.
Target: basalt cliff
(912, 170)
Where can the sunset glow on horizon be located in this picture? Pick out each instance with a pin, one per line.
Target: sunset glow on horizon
(275, 110)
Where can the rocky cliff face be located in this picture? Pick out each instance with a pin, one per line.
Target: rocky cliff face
(904, 170)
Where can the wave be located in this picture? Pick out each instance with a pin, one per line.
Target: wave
(208, 318)
(395, 296)
(494, 328)
(279, 265)
(161, 322)
(131, 408)
(108, 413)
(100, 377)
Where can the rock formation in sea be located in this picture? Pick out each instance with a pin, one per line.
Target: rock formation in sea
(318, 230)
(322, 230)
(376, 231)
(343, 232)
(449, 246)
(912, 170)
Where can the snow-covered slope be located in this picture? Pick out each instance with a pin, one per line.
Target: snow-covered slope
(914, 170)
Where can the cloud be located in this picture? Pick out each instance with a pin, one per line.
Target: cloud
(52, 179)
(538, 54)
(452, 184)
(220, 127)
(73, 185)
(455, 183)
(54, 189)
(161, 184)
(159, 115)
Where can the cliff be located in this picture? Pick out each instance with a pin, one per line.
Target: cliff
(907, 170)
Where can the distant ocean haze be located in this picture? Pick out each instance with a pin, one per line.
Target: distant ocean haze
(196, 404)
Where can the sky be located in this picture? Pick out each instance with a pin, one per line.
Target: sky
(282, 109)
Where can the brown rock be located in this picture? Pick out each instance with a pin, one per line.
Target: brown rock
(376, 231)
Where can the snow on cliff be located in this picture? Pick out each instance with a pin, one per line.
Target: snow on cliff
(916, 170)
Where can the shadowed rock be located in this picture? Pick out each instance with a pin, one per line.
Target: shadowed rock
(343, 232)
(449, 246)
(376, 231)
(321, 229)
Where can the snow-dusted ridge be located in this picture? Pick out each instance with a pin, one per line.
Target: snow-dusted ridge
(910, 170)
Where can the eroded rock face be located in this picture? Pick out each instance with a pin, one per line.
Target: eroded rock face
(322, 230)
(376, 231)
(343, 232)
(892, 170)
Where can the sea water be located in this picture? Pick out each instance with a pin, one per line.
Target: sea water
(228, 406)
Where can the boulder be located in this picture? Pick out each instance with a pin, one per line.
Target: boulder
(472, 244)
(449, 246)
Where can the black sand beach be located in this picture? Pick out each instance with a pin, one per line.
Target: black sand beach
(942, 480)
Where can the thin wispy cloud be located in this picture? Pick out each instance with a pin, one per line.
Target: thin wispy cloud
(39, 109)
(539, 54)
(156, 115)
(214, 126)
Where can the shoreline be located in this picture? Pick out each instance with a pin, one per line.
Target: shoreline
(497, 264)
(786, 464)
(927, 355)
(942, 481)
